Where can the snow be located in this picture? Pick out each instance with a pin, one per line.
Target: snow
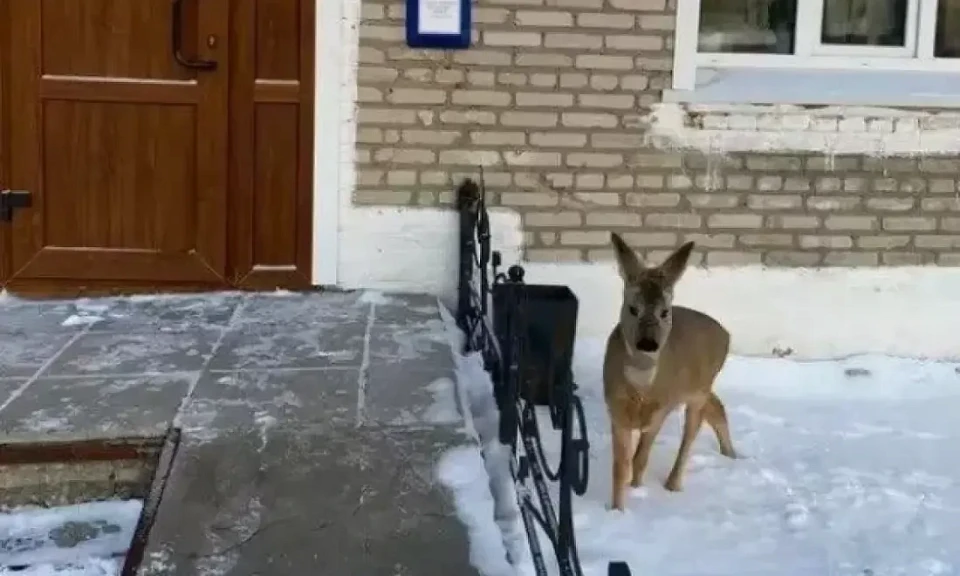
(462, 471)
(81, 320)
(443, 408)
(374, 297)
(88, 539)
(493, 519)
(848, 467)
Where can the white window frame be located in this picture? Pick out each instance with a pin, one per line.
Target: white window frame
(809, 52)
(811, 12)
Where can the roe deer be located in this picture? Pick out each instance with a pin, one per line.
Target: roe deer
(658, 357)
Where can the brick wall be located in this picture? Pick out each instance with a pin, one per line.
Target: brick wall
(553, 99)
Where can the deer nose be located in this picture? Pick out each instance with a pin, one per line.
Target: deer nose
(647, 345)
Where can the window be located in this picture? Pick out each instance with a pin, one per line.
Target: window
(914, 35)
(747, 26)
(948, 30)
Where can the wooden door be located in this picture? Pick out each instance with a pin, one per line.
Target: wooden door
(4, 122)
(124, 150)
(272, 93)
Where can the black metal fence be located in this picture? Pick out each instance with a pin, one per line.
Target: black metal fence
(525, 334)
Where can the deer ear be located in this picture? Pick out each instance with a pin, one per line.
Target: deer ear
(675, 264)
(627, 260)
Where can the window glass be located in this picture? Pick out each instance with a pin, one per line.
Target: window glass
(748, 26)
(865, 22)
(948, 29)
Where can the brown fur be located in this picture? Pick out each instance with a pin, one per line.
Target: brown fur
(642, 387)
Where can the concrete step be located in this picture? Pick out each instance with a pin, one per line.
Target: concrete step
(315, 500)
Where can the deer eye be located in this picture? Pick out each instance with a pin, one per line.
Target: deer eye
(633, 310)
(664, 313)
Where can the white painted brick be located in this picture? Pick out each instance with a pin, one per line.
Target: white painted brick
(910, 125)
(770, 122)
(715, 122)
(880, 125)
(943, 121)
(855, 124)
(824, 124)
(795, 122)
(742, 122)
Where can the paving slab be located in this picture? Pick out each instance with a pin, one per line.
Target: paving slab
(170, 314)
(23, 354)
(273, 346)
(422, 343)
(29, 317)
(135, 353)
(225, 402)
(8, 386)
(409, 310)
(301, 309)
(100, 407)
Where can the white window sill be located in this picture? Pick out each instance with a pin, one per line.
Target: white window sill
(882, 88)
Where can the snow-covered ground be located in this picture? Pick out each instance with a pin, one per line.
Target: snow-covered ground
(89, 539)
(849, 467)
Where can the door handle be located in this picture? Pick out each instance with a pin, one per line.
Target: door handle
(176, 33)
(11, 200)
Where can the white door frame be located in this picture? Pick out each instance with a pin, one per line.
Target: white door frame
(328, 128)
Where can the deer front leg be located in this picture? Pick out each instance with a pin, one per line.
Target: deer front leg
(650, 430)
(622, 440)
(691, 425)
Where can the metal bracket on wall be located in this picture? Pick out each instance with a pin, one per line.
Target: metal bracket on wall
(10, 200)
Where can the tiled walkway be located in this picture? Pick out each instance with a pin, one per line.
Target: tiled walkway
(311, 422)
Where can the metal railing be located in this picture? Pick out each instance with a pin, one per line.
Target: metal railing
(525, 334)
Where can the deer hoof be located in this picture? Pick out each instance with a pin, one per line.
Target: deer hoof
(614, 507)
(672, 484)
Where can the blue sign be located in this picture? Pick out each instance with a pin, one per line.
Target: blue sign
(442, 24)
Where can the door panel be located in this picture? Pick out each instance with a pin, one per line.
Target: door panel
(124, 150)
(272, 87)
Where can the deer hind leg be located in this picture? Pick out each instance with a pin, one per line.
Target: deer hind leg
(623, 447)
(647, 437)
(692, 420)
(716, 416)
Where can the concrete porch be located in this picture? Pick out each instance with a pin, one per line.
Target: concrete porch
(311, 423)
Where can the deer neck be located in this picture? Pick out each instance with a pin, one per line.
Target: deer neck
(639, 368)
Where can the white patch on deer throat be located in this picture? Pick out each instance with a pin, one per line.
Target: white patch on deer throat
(640, 378)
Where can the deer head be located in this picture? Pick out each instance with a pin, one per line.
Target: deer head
(646, 313)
